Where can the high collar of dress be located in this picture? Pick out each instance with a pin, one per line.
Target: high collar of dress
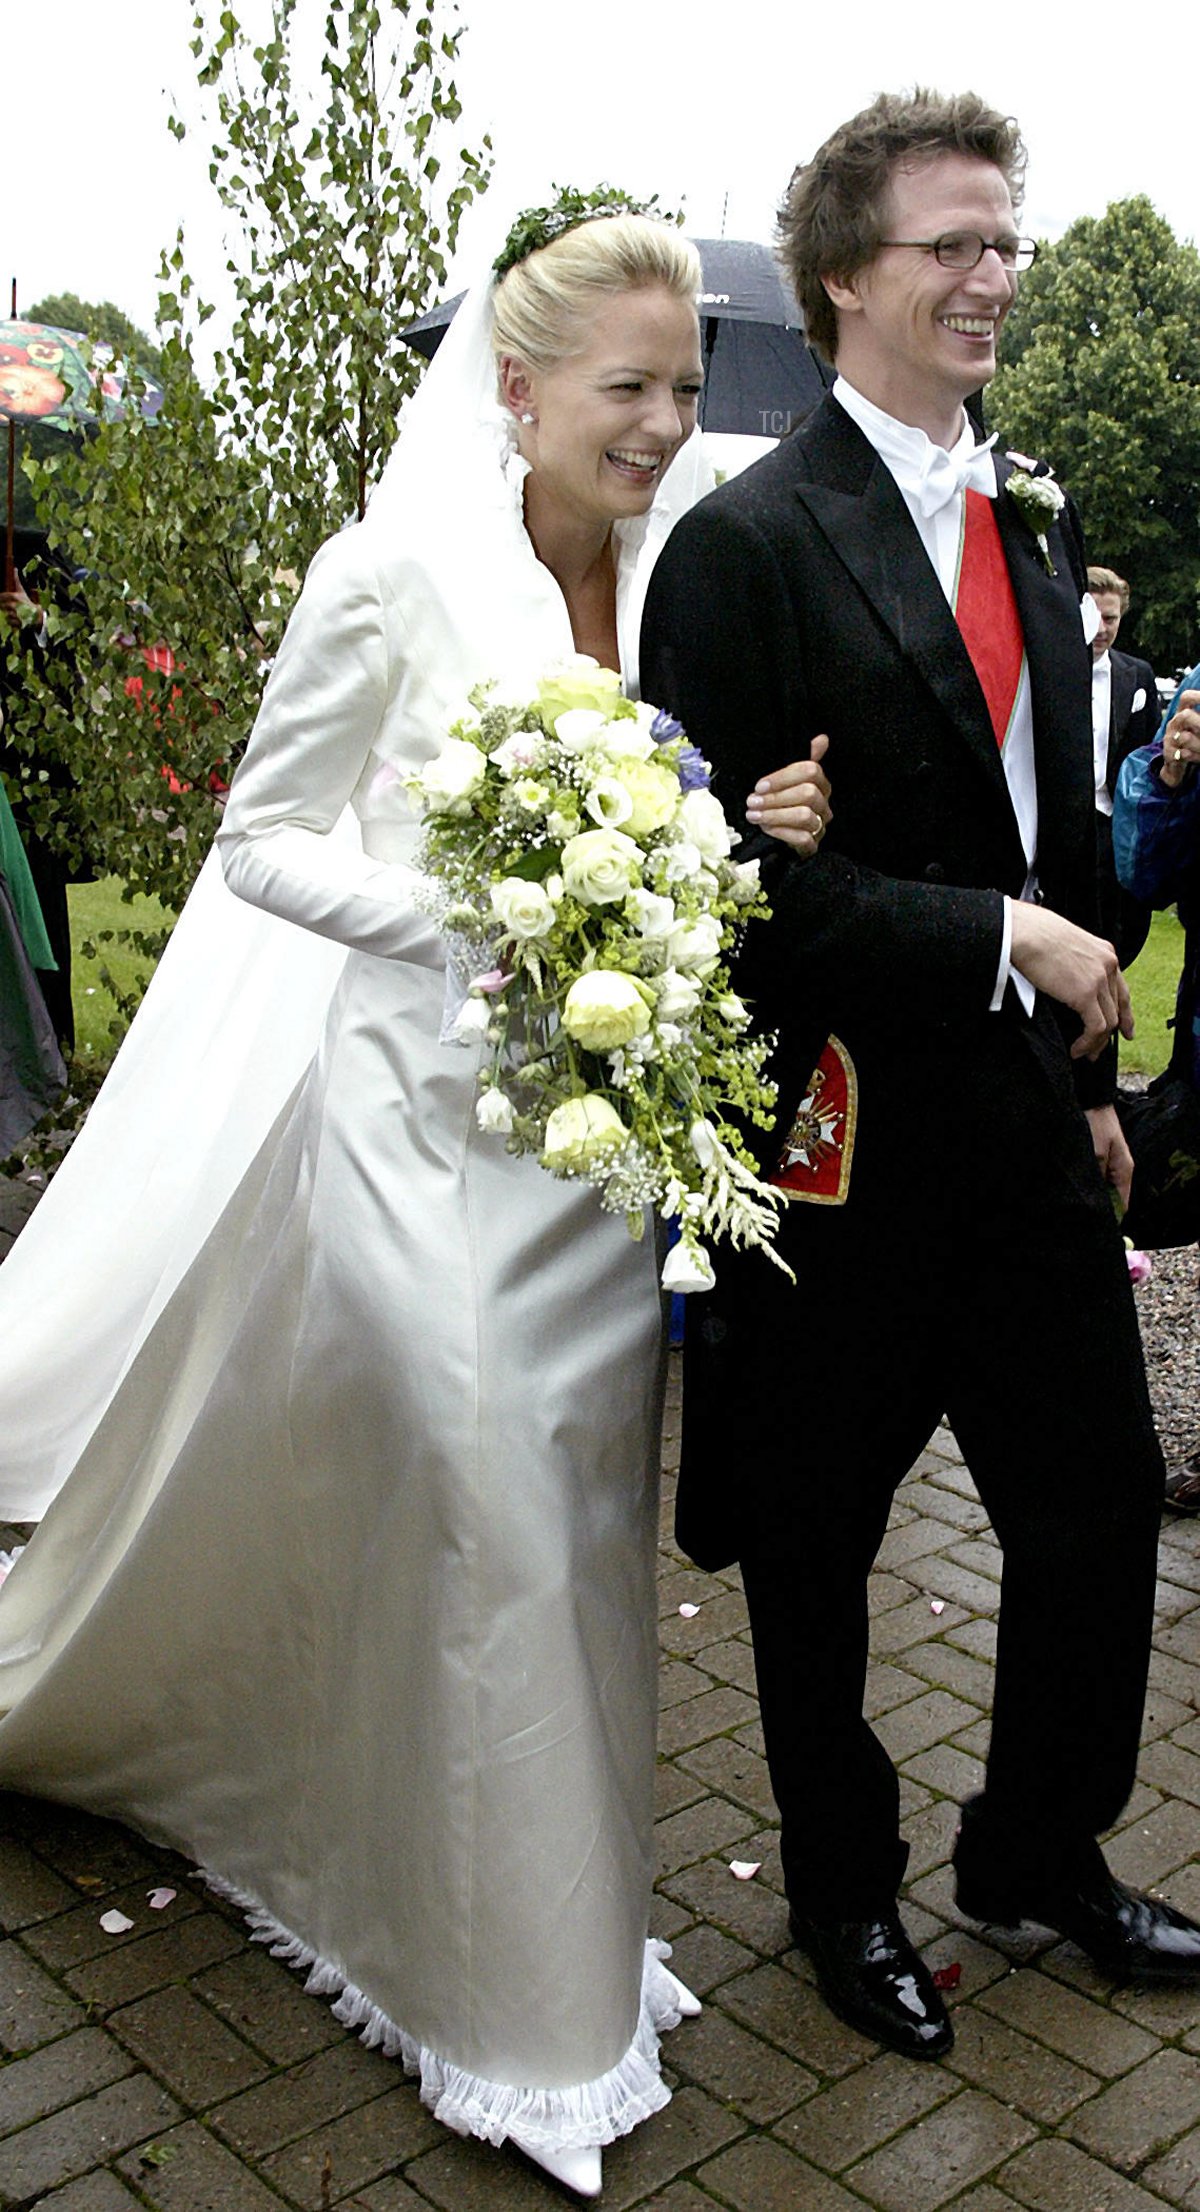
(926, 473)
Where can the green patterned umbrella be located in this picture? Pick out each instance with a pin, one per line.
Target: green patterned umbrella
(52, 376)
(57, 380)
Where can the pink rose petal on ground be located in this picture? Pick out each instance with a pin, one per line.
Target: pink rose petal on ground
(744, 1870)
(937, 1605)
(689, 1612)
(115, 1923)
(947, 1977)
(159, 1899)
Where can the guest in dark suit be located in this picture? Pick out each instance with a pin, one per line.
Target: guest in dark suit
(880, 578)
(1124, 717)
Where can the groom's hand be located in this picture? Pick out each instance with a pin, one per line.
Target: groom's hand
(1113, 1156)
(1079, 970)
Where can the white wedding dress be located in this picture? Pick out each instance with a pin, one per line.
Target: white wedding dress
(345, 1585)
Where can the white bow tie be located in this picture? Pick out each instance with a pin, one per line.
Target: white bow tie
(944, 474)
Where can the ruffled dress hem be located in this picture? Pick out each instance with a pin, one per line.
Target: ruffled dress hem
(584, 2115)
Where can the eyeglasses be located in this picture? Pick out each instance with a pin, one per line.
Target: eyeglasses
(965, 249)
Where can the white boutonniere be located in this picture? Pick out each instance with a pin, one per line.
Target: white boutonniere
(1038, 500)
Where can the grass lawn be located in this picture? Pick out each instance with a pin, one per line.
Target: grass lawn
(95, 907)
(1152, 981)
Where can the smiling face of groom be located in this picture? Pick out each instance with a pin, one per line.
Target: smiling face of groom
(912, 166)
(914, 337)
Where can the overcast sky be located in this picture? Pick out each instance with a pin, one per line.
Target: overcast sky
(710, 106)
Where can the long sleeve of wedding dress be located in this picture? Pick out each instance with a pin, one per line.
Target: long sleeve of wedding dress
(333, 696)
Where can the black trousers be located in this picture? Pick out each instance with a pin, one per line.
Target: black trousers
(976, 1272)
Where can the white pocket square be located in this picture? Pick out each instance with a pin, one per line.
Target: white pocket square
(1139, 699)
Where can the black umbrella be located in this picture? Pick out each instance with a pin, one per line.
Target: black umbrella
(760, 376)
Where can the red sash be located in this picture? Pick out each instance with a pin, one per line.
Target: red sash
(986, 612)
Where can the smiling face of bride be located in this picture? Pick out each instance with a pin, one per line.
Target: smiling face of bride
(609, 419)
(597, 353)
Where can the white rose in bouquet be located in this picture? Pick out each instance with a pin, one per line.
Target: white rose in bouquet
(744, 880)
(653, 916)
(600, 866)
(578, 681)
(702, 818)
(696, 945)
(626, 740)
(522, 750)
(524, 909)
(677, 995)
(449, 782)
(580, 1129)
(578, 729)
(681, 861)
(653, 794)
(605, 1009)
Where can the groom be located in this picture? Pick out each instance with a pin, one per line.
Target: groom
(881, 578)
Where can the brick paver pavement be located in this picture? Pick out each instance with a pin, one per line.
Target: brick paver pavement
(180, 2068)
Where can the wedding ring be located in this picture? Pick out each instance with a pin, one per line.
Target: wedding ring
(1179, 752)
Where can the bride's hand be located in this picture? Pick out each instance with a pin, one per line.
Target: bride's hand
(793, 804)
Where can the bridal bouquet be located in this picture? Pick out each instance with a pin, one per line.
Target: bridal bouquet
(579, 867)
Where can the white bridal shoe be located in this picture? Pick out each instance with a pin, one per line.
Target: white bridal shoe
(689, 2006)
(578, 2170)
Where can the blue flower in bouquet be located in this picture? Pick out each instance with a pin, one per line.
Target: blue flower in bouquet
(694, 771)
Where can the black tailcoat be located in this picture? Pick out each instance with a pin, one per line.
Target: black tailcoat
(975, 1268)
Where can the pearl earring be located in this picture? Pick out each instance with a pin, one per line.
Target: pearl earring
(527, 418)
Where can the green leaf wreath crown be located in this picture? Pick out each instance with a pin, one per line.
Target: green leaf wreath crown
(538, 226)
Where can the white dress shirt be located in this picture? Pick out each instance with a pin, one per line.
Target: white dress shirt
(1101, 720)
(931, 482)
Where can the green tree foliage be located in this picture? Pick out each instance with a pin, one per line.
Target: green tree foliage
(194, 529)
(102, 322)
(342, 219)
(1101, 376)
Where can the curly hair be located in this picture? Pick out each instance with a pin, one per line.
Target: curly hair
(833, 215)
(541, 307)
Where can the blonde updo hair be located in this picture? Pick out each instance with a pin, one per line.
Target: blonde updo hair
(542, 306)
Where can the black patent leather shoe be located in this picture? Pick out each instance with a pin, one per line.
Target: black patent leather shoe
(1129, 1936)
(870, 1975)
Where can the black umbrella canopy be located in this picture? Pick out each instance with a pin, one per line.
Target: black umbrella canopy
(760, 377)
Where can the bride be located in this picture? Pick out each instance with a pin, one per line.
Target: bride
(345, 1585)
